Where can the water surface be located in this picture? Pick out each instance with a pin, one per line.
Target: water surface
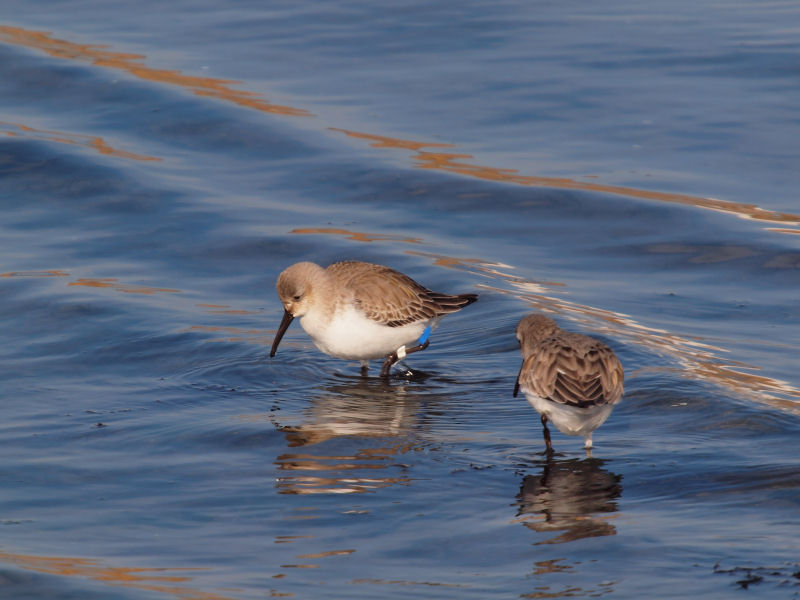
(628, 169)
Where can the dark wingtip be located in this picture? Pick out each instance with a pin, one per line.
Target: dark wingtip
(469, 298)
(446, 304)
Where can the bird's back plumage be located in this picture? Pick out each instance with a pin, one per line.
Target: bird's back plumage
(391, 298)
(574, 370)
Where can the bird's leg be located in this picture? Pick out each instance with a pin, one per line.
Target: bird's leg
(588, 445)
(364, 367)
(387, 364)
(418, 348)
(546, 432)
(400, 354)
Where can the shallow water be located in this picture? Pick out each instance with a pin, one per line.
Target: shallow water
(630, 170)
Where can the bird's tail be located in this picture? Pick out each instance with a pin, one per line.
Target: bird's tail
(449, 304)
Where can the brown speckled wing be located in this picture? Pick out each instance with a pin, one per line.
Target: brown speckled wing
(574, 370)
(391, 298)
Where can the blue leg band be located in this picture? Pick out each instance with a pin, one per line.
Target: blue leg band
(425, 335)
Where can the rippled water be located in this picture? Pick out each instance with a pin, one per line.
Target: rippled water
(630, 169)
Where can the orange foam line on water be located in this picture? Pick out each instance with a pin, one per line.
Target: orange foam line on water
(456, 163)
(99, 55)
(75, 139)
(49, 273)
(156, 579)
(120, 287)
(444, 161)
(357, 236)
(382, 141)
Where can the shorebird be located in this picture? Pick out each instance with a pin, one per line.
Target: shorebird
(570, 379)
(361, 311)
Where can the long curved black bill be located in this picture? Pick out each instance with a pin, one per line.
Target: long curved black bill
(516, 383)
(285, 322)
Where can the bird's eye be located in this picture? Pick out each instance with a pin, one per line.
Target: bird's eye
(296, 297)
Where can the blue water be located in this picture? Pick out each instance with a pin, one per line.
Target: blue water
(629, 169)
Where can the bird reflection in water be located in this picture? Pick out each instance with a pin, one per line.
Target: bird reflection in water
(575, 497)
(350, 433)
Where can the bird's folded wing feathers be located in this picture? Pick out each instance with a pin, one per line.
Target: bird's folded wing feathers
(583, 376)
(387, 296)
(394, 299)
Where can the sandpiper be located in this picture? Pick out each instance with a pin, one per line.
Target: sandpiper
(570, 379)
(361, 311)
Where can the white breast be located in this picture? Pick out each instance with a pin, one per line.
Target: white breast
(350, 335)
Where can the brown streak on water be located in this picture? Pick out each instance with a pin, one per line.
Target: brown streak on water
(357, 235)
(49, 273)
(114, 284)
(442, 161)
(132, 63)
(76, 139)
(148, 579)
(455, 163)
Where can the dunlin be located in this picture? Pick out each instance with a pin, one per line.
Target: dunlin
(361, 311)
(569, 378)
